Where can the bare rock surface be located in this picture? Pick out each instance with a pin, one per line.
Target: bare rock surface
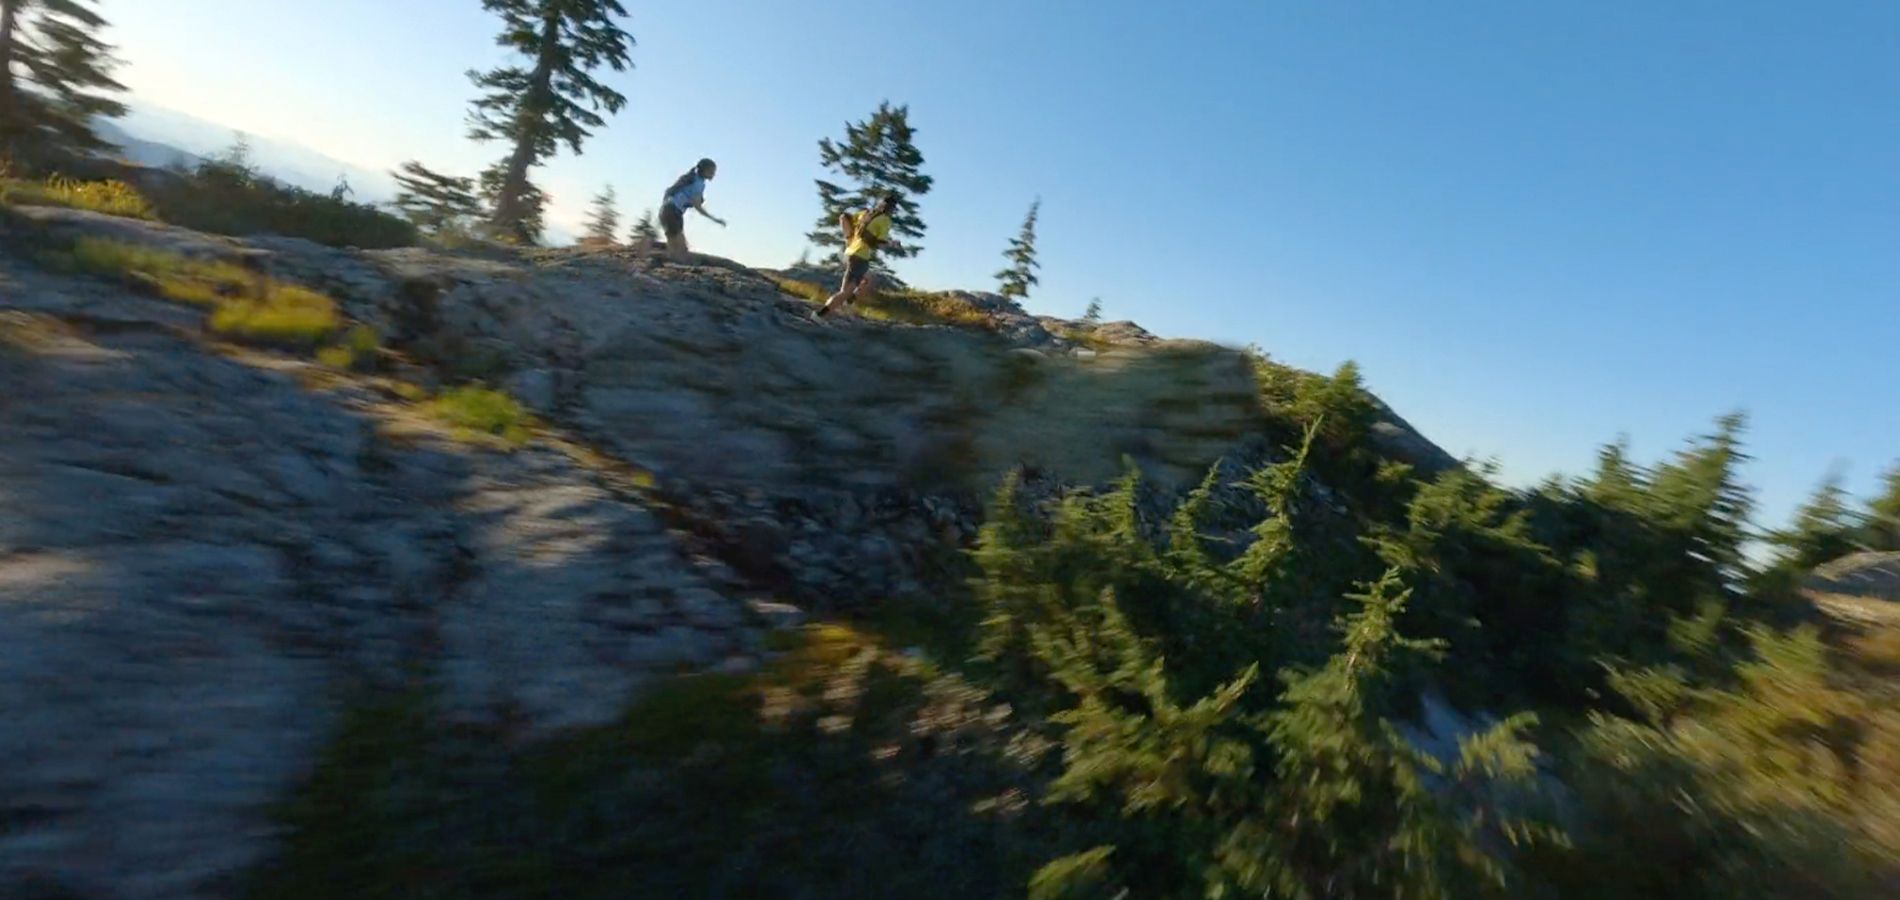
(199, 555)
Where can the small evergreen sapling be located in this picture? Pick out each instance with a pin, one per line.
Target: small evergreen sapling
(1016, 280)
(603, 218)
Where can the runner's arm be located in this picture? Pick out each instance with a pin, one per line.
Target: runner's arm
(701, 206)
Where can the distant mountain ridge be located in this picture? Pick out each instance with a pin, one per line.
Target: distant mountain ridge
(156, 136)
(152, 135)
(144, 152)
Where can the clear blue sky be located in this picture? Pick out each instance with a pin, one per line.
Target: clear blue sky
(1536, 226)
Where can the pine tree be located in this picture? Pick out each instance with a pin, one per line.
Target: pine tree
(238, 156)
(55, 78)
(1214, 786)
(603, 221)
(1823, 528)
(1020, 276)
(1355, 811)
(529, 205)
(1699, 494)
(645, 232)
(435, 202)
(1618, 484)
(1883, 515)
(555, 101)
(877, 155)
(1093, 315)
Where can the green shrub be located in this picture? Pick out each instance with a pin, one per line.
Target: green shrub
(483, 411)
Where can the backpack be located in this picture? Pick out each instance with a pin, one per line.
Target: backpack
(680, 185)
(865, 218)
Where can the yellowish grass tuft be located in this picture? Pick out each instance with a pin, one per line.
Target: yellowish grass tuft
(112, 198)
(356, 349)
(244, 304)
(803, 290)
(929, 308)
(906, 307)
(337, 357)
(283, 315)
(482, 411)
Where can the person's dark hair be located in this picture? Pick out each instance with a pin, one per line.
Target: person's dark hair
(891, 199)
(705, 164)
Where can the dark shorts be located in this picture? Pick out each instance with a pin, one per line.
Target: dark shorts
(856, 271)
(672, 220)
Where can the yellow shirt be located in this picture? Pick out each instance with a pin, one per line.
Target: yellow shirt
(879, 228)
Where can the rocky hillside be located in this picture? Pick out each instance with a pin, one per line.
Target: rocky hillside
(208, 547)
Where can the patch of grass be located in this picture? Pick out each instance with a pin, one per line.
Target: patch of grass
(1085, 336)
(244, 305)
(362, 339)
(356, 350)
(927, 308)
(112, 198)
(283, 315)
(337, 357)
(483, 411)
(803, 290)
(98, 256)
(907, 307)
(413, 393)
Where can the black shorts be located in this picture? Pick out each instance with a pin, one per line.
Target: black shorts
(856, 271)
(672, 220)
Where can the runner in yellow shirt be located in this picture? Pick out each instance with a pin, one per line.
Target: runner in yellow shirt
(864, 233)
